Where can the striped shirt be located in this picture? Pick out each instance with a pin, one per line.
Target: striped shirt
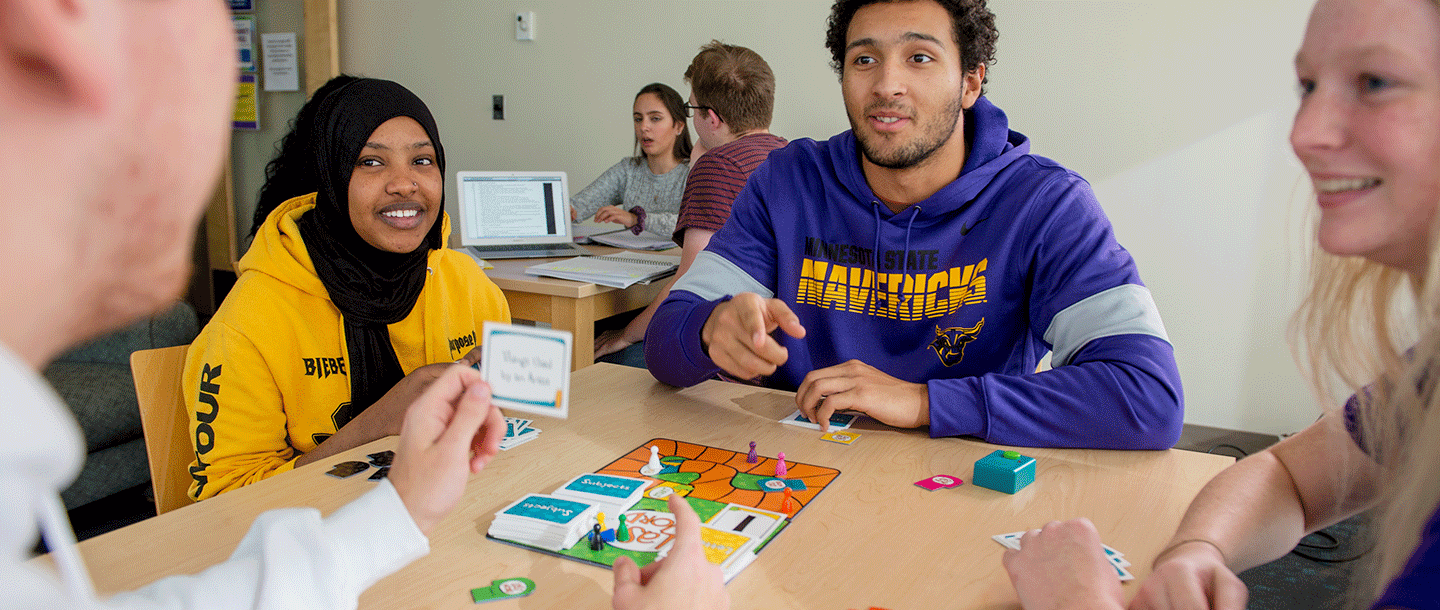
(715, 181)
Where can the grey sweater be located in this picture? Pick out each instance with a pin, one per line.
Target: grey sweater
(628, 184)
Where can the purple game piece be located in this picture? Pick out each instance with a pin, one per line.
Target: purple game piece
(752, 458)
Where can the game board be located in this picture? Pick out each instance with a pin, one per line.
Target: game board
(710, 479)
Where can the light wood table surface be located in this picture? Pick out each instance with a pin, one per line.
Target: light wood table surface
(872, 538)
(569, 305)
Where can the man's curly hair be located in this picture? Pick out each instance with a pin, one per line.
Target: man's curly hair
(974, 31)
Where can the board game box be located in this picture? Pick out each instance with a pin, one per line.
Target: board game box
(742, 504)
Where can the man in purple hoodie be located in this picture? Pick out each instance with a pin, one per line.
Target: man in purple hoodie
(917, 267)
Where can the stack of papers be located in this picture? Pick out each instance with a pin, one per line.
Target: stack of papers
(547, 522)
(518, 432)
(619, 270)
(630, 241)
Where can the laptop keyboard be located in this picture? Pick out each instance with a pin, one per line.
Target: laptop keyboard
(526, 248)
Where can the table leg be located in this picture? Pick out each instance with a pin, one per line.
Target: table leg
(578, 317)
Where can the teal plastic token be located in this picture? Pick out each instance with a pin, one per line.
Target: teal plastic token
(1011, 455)
(505, 588)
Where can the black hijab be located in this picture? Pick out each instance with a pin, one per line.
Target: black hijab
(371, 287)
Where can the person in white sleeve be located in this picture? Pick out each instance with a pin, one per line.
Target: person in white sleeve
(113, 120)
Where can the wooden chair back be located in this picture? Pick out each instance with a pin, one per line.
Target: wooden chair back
(166, 421)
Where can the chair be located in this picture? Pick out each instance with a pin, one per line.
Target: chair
(166, 422)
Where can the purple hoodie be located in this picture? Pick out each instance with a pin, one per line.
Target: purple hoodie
(965, 291)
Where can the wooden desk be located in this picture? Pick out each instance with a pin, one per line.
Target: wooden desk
(568, 305)
(872, 538)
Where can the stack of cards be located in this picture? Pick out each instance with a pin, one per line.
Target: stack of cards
(612, 494)
(548, 522)
(518, 432)
(1117, 559)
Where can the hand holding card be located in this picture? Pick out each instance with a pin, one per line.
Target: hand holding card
(1063, 565)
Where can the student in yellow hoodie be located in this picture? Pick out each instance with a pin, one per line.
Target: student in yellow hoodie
(344, 297)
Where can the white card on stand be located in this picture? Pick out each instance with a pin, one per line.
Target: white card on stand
(528, 368)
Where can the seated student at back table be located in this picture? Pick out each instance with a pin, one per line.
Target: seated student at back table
(1368, 133)
(345, 295)
(732, 97)
(920, 265)
(643, 192)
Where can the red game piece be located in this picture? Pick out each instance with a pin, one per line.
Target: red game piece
(788, 505)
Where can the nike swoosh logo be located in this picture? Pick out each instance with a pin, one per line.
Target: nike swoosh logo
(965, 229)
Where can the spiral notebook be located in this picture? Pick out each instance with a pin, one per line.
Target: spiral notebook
(619, 270)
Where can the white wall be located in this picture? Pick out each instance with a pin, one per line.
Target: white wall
(1177, 112)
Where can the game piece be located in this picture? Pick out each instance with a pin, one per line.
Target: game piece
(596, 543)
(939, 482)
(600, 519)
(780, 470)
(622, 534)
(608, 535)
(347, 469)
(654, 467)
(505, 588)
(788, 504)
(1006, 471)
(752, 458)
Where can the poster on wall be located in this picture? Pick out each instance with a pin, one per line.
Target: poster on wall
(247, 106)
(245, 40)
(279, 60)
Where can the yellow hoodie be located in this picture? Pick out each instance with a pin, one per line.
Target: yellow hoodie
(268, 373)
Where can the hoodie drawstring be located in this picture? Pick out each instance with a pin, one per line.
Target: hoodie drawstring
(874, 300)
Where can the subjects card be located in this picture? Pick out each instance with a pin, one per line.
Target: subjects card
(528, 368)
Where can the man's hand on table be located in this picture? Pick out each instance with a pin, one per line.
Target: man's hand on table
(861, 388)
(451, 431)
(737, 335)
(683, 579)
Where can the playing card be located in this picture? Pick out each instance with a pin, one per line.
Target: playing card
(383, 458)
(940, 482)
(838, 421)
(836, 436)
(347, 469)
(383, 472)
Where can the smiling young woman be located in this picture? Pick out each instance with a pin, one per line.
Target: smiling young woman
(346, 298)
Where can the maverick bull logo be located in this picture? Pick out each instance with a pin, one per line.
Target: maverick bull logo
(949, 344)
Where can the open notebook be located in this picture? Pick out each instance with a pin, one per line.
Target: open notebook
(620, 270)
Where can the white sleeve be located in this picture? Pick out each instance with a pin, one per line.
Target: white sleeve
(290, 558)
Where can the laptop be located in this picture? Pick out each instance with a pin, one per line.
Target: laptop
(515, 215)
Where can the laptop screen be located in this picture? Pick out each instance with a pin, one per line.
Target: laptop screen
(500, 208)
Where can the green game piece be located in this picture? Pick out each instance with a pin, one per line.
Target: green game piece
(622, 534)
(1011, 455)
(505, 588)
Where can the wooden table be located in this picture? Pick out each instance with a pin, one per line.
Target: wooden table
(872, 538)
(568, 305)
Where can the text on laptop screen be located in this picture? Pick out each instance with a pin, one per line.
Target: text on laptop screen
(512, 207)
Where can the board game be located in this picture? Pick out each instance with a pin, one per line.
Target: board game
(732, 496)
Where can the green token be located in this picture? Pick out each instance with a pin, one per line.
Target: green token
(504, 588)
(1011, 455)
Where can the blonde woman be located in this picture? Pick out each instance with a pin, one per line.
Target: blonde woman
(1368, 133)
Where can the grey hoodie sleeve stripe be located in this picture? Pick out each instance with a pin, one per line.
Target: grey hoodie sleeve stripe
(1127, 309)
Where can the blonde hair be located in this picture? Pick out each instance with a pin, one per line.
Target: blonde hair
(1350, 330)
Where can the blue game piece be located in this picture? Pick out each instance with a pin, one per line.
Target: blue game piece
(1006, 471)
(608, 535)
